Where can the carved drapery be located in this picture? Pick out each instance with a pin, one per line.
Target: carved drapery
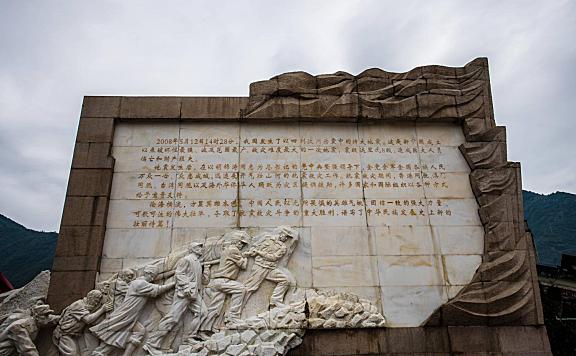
(503, 288)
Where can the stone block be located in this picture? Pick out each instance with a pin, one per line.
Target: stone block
(86, 211)
(217, 108)
(67, 286)
(339, 271)
(95, 130)
(101, 106)
(517, 339)
(89, 182)
(80, 241)
(405, 340)
(75, 263)
(150, 107)
(263, 87)
(92, 155)
(469, 339)
(484, 154)
(345, 342)
(435, 106)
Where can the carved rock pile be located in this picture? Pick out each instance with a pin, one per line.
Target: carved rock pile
(271, 333)
(342, 310)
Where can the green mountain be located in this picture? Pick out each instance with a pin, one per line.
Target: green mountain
(24, 253)
(552, 219)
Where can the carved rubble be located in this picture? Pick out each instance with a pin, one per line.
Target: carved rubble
(26, 297)
(342, 310)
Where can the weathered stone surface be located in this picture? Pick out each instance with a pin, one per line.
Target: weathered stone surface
(84, 211)
(101, 106)
(99, 130)
(431, 92)
(484, 154)
(25, 297)
(217, 108)
(90, 182)
(92, 155)
(150, 107)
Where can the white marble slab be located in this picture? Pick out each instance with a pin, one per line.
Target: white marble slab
(405, 240)
(342, 241)
(385, 211)
(349, 271)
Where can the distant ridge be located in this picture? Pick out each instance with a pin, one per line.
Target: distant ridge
(552, 219)
(23, 252)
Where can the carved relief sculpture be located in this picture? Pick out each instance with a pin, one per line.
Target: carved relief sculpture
(69, 334)
(187, 297)
(269, 250)
(19, 329)
(121, 329)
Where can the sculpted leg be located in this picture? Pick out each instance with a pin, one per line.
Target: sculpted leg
(138, 333)
(283, 281)
(214, 310)
(179, 306)
(68, 346)
(257, 276)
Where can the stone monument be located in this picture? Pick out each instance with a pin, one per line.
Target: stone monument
(322, 215)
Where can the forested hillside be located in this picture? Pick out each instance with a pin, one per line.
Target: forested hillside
(552, 219)
(24, 253)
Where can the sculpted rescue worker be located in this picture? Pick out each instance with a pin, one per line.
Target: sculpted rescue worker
(125, 277)
(187, 296)
(121, 329)
(74, 319)
(19, 329)
(224, 282)
(267, 255)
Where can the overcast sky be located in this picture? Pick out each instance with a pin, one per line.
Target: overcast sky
(52, 53)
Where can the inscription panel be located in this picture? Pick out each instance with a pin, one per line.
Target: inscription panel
(387, 208)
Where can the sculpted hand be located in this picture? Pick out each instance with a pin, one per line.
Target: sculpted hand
(108, 307)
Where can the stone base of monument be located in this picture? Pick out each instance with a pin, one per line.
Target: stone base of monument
(437, 341)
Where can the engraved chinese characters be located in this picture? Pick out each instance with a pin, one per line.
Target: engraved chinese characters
(384, 211)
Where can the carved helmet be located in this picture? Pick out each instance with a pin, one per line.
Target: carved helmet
(238, 235)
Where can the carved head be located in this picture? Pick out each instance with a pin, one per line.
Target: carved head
(42, 313)
(284, 232)
(104, 286)
(150, 272)
(93, 299)
(196, 248)
(127, 275)
(238, 237)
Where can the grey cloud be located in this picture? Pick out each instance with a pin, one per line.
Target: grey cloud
(54, 52)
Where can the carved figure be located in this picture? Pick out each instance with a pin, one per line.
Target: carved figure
(19, 330)
(107, 290)
(187, 296)
(224, 282)
(125, 277)
(74, 320)
(268, 253)
(121, 329)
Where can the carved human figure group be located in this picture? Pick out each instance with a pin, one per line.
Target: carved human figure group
(179, 300)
